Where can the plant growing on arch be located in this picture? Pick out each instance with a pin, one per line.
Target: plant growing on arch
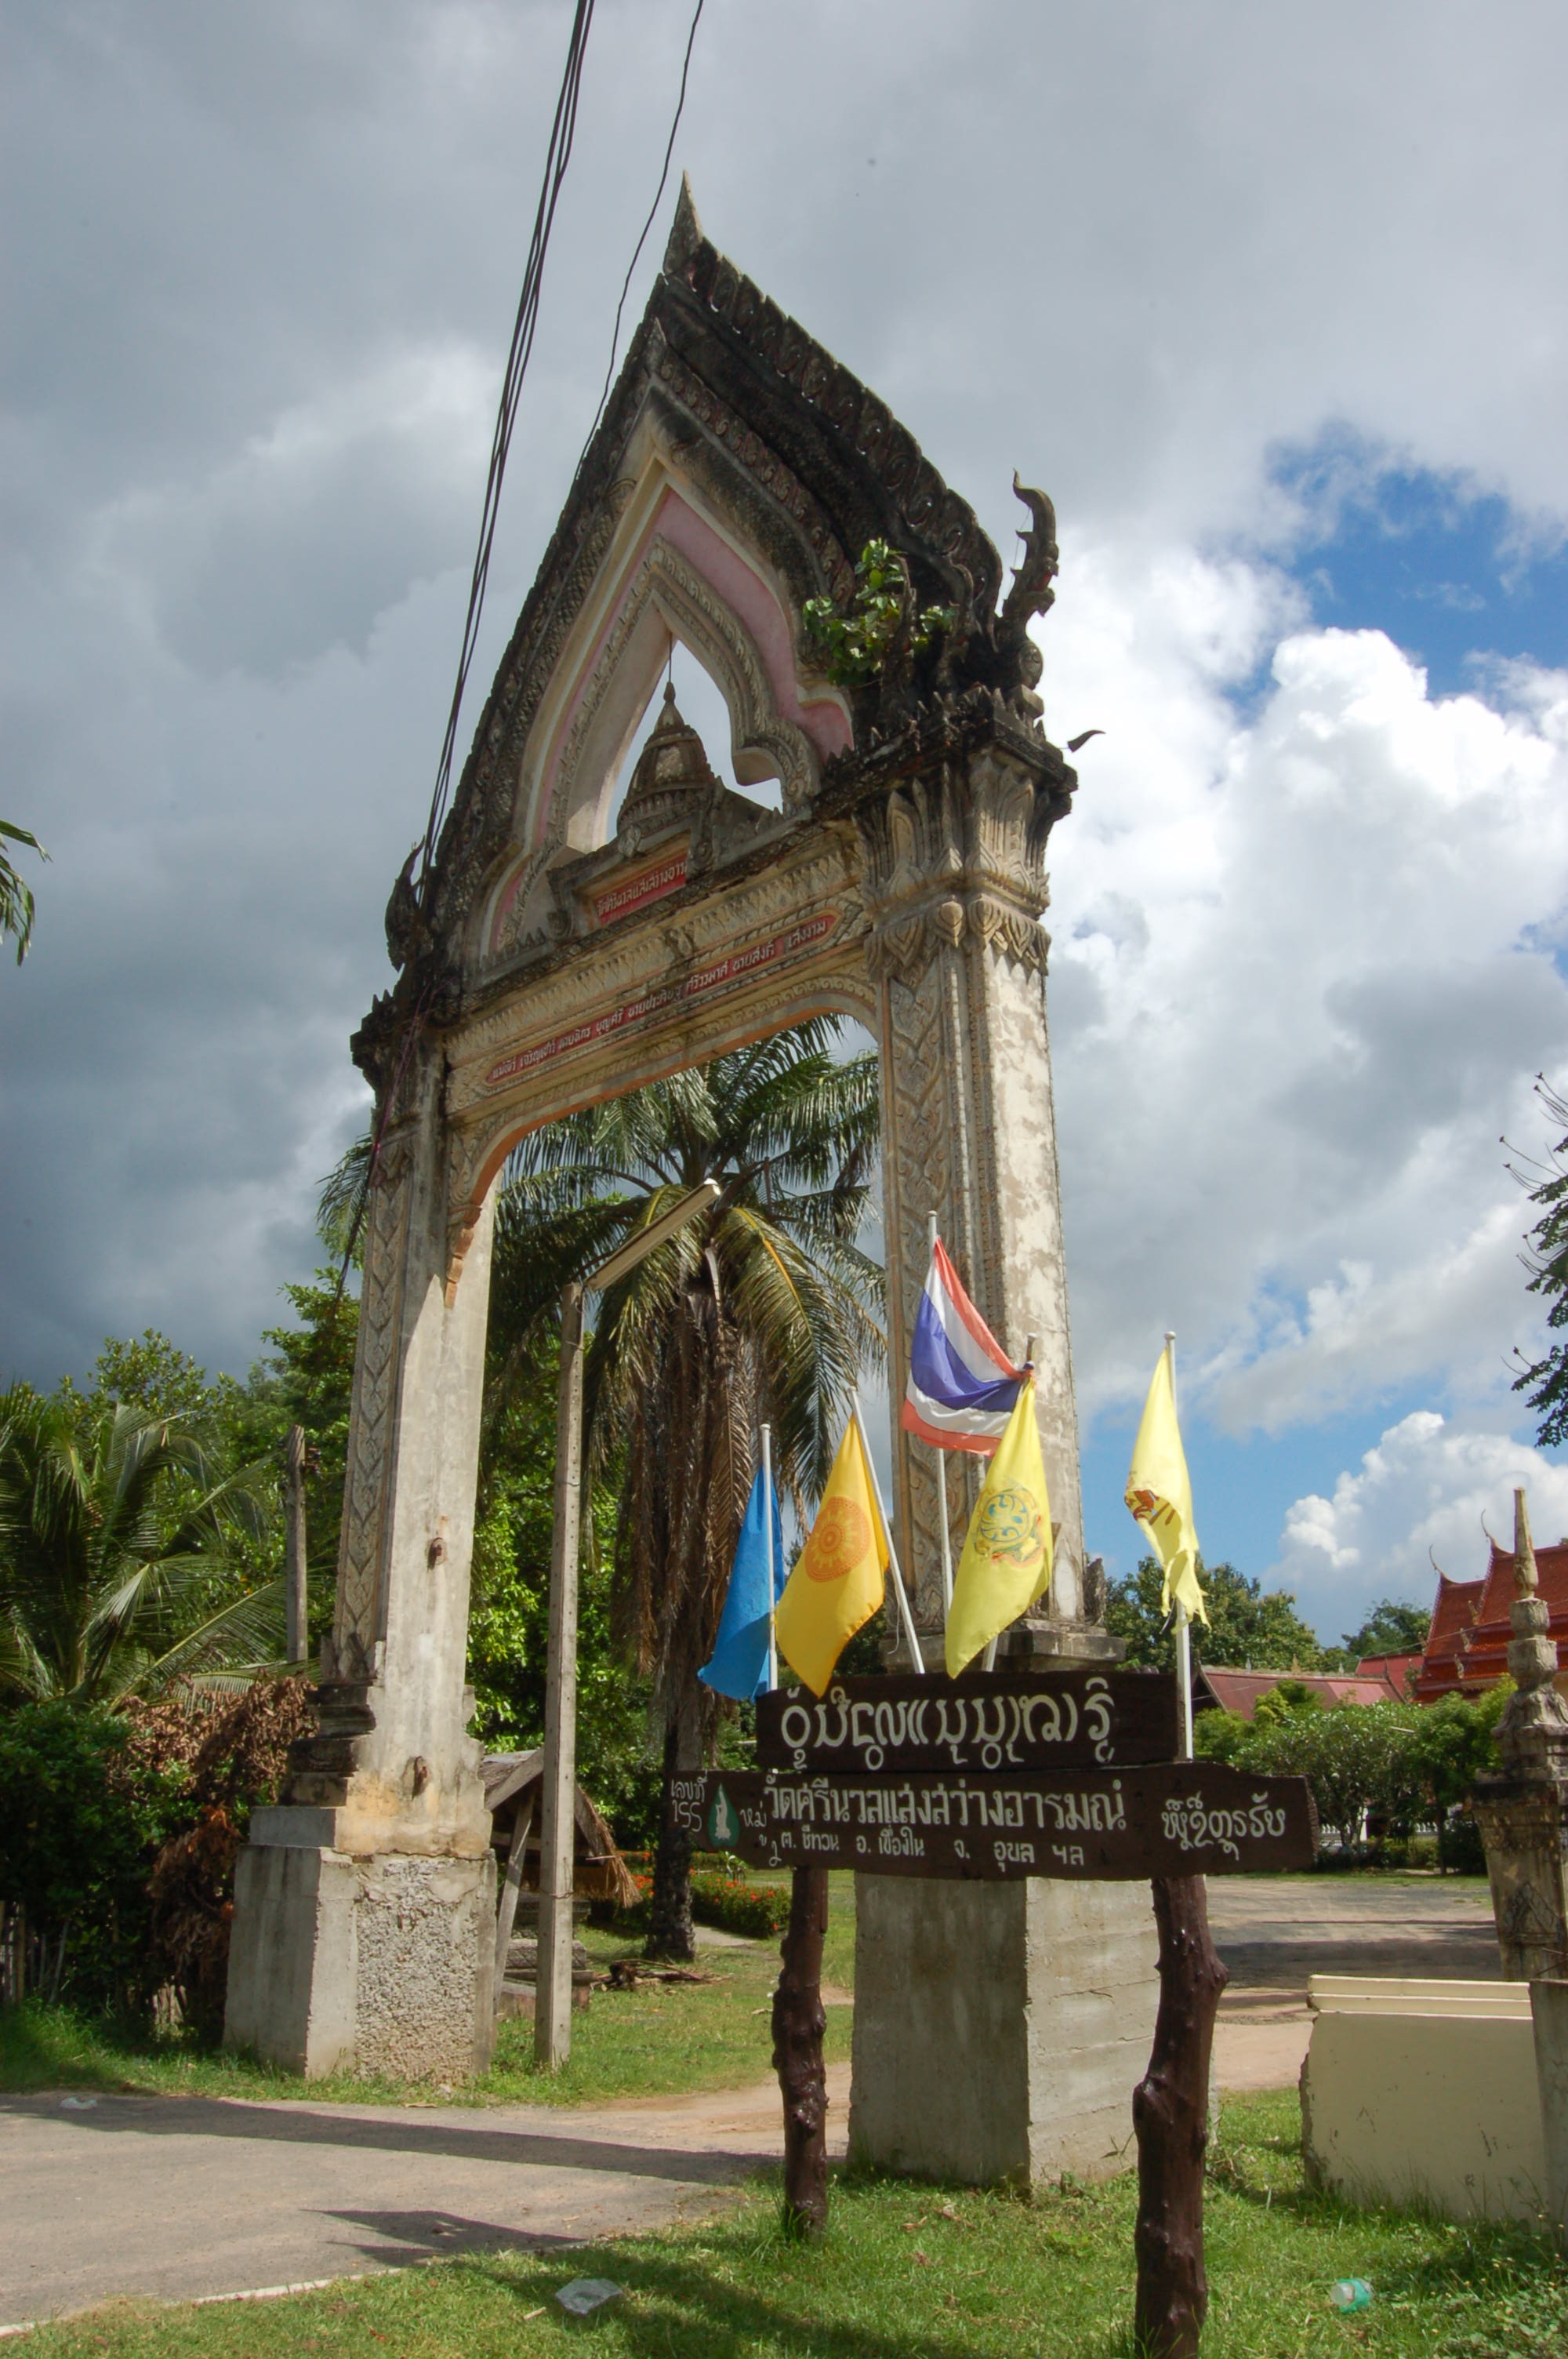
(766, 1307)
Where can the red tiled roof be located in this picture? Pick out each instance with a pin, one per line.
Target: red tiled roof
(1452, 1613)
(1471, 1626)
(1241, 1691)
(1397, 1670)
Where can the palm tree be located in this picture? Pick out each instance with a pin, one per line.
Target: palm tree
(15, 897)
(767, 1308)
(112, 1532)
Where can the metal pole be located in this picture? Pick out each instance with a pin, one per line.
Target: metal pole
(1184, 1636)
(941, 1496)
(297, 1600)
(901, 1593)
(768, 1523)
(552, 2015)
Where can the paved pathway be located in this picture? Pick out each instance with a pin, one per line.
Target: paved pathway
(176, 2197)
(1274, 1931)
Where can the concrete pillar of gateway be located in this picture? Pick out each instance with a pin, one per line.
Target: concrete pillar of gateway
(555, 954)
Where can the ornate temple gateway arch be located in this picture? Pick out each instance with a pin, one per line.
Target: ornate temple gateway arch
(554, 961)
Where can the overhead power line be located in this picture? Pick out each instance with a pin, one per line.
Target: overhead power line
(647, 225)
(557, 156)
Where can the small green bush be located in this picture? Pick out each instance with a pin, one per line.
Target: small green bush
(756, 1911)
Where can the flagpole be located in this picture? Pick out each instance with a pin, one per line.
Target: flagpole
(1183, 1633)
(768, 1525)
(909, 1630)
(941, 1496)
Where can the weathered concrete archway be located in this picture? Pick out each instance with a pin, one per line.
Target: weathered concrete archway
(738, 473)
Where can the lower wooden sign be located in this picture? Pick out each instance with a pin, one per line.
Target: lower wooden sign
(1180, 1818)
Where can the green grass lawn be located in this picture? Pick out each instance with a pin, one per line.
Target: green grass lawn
(909, 2272)
(666, 2039)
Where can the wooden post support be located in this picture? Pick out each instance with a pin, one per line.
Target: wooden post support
(1170, 2114)
(553, 2000)
(296, 1600)
(506, 1912)
(799, 2025)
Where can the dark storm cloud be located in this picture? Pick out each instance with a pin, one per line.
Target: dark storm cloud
(262, 268)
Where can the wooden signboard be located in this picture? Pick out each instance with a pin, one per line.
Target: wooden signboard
(995, 1721)
(1174, 1819)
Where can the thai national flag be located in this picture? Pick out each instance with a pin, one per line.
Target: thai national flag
(962, 1385)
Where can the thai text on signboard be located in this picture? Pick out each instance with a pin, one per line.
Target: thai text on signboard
(991, 1722)
(1181, 1818)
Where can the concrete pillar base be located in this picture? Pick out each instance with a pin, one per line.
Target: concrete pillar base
(377, 1963)
(1000, 2028)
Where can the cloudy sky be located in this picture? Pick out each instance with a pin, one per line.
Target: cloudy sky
(1270, 299)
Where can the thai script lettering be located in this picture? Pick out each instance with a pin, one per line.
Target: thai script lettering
(652, 886)
(1188, 1822)
(702, 979)
(983, 1732)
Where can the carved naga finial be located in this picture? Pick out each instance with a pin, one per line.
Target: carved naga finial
(1527, 1581)
(1030, 593)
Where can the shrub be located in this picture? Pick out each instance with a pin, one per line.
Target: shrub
(83, 1820)
(757, 1912)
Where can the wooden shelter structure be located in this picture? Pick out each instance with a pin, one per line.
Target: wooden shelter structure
(512, 1790)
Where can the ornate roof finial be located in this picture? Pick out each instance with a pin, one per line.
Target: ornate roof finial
(686, 232)
(1527, 1581)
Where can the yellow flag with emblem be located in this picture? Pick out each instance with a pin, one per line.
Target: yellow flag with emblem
(1160, 1496)
(837, 1584)
(1006, 1563)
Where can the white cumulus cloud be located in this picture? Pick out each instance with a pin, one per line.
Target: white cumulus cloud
(1303, 976)
(1417, 1499)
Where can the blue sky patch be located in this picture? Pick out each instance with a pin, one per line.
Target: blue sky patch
(1450, 571)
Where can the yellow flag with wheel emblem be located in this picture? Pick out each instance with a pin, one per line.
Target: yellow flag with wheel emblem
(1006, 1563)
(1160, 1496)
(837, 1584)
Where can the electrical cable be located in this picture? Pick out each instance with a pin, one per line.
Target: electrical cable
(557, 156)
(647, 225)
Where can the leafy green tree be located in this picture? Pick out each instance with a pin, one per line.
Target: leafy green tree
(1391, 1628)
(1545, 1381)
(765, 1308)
(83, 1822)
(15, 894)
(1247, 1624)
(113, 1521)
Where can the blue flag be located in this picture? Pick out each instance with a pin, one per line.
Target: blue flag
(740, 1665)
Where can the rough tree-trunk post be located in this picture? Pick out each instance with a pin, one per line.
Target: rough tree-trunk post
(1170, 2113)
(799, 2025)
(296, 1602)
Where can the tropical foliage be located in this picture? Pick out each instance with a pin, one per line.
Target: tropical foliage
(1545, 1381)
(1247, 1626)
(1386, 1767)
(15, 894)
(765, 1308)
(856, 644)
(118, 1530)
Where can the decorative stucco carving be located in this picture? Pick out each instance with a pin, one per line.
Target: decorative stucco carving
(371, 1423)
(703, 621)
